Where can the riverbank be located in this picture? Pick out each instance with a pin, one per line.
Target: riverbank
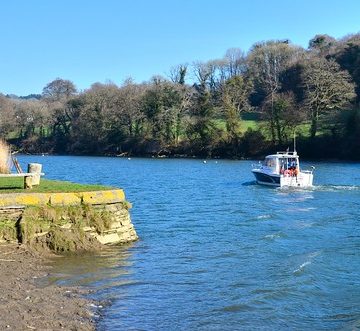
(251, 145)
(26, 305)
(53, 217)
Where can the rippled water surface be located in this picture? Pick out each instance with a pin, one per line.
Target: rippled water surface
(217, 252)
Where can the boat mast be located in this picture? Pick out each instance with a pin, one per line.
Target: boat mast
(294, 143)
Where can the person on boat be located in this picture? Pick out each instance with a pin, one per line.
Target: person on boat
(293, 168)
(282, 169)
(282, 166)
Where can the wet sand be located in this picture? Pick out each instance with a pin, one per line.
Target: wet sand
(25, 305)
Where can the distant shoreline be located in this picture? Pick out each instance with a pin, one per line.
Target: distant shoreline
(189, 157)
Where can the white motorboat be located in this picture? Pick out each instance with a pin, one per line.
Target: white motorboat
(282, 169)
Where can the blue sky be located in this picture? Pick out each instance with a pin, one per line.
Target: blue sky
(96, 41)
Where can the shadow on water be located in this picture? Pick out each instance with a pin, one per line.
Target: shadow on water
(250, 183)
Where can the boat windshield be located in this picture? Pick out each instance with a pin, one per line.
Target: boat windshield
(281, 164)
(270, 162)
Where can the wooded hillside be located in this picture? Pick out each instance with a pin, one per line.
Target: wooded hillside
(239, 106)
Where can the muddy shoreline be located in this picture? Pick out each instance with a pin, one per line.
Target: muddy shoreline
(25, 305)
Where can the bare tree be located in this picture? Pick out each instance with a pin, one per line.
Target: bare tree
(287, 115)
(267, 61)
(59, 89)
(7, 116)
(202, 72)
(32, 117)
(327, 88)
(178, 74)
(234, 100)
(129, 107)
(235, 60)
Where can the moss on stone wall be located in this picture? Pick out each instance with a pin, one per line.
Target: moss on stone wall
(62, 228)
(66, 221)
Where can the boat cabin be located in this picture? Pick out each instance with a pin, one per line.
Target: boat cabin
(282, 162)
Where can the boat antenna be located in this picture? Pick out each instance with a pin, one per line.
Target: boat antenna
(294, 142)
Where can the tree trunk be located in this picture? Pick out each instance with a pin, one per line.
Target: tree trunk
(272, 125)
(313, 127)
(278, 129)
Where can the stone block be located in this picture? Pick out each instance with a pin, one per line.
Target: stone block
(103, 197)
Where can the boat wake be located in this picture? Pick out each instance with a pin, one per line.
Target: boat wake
(320, 188)
(335, 188)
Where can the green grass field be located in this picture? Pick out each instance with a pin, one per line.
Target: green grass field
(244, 124)
(15, 185)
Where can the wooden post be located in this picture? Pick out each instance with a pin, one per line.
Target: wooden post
(16, 164)
(28, 182)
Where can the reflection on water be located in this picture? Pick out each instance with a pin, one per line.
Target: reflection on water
(102, 269)
(217, 252)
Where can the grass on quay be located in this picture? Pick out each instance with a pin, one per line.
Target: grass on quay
(15, 185)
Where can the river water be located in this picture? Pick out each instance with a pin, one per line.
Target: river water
(217, 252)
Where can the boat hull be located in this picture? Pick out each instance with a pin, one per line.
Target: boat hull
(266, 179)
(303, 179)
